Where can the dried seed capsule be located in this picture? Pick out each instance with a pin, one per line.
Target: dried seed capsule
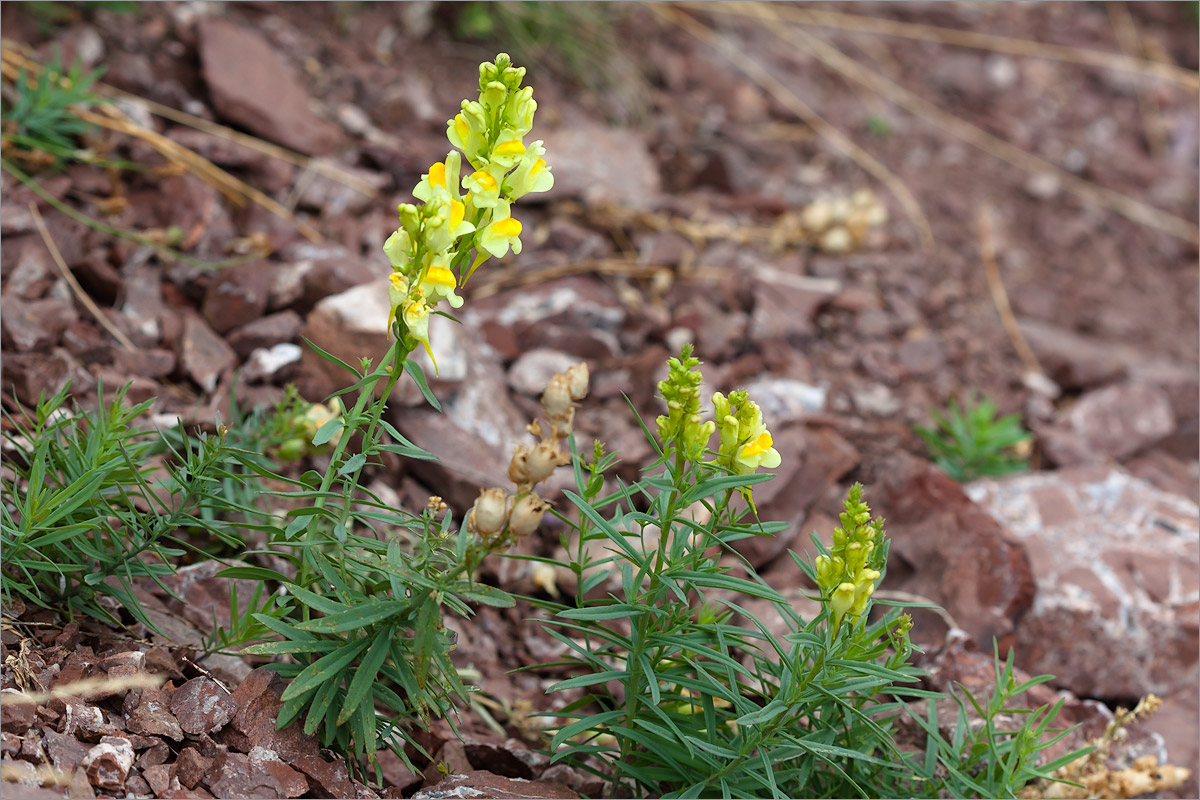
(518, 467)
(544, 459)
(577, 380)
(557, 397)
(527, 513)
(489, 513)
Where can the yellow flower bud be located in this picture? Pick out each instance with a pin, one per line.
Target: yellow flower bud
(489, 513)
(527, 513)
(841, 600)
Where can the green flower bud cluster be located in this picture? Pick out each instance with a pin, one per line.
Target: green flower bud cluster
(428, 252)
(847, 574)
(681, 426)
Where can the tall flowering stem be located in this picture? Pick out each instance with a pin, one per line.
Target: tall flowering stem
(462, 218)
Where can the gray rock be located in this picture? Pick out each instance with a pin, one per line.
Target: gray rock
(784, 400)
(272, 363)
(530, 373)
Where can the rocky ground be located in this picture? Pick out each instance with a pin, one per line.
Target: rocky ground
(678, 214)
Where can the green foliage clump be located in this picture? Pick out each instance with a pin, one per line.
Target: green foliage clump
(692, 677)
(970, 442)
(87, 510)
(39, 115)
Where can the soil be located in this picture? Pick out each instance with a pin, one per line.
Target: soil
(680, 199)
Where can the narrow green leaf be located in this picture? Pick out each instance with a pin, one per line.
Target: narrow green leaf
(320, 704)
(354, 462)
(324, 669)
(615, 611)
(326, 431)
(418, 375)
(315, 601)
(589, 680)
(487, 595)
(364, 676)
(354, 618)
(765, 714)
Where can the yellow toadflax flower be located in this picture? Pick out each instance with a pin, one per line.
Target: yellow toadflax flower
(502, 233)
(745, 440)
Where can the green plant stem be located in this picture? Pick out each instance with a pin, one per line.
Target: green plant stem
(642, 625)
(305, 576)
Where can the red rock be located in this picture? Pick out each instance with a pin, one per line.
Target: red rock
(35, 324)
(1168, 473)
(29, 375)
(237, 295)
(201, 706)
(197, 793)
(81, 717)
(191, 767)
(253, 724)
(143, 306)
(948, 549)
(1075, 361)
(157, 753)
(451, 758)
(480, 784)
(203, 355)
(597, 163)
(144, 363)
(15, 717)
(153, 716)
(127, 658)
(785, 305)
(1120, 420)
(1113, 559)
(308, 273)
(109, 762)
(265, 332)
(252, 85)
(328, 778)
(159, 778)
(25, 775)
